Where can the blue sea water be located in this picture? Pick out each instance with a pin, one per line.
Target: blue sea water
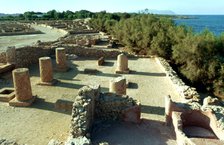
(215, 23)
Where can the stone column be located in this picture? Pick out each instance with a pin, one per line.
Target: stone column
(168, 111)
(118, 86)
(122, 64)
(11, 55)
(22, 85)
(46, 71)
(61, 60)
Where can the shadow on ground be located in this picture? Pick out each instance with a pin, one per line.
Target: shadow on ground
(132, 85)
(107, 63)
(40, 103)
(148, 73)
(148, 132)
(153, 110)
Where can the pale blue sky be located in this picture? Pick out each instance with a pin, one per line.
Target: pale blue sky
(177, 6)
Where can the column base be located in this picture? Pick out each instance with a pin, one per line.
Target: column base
(122, 72)
(16, 103)
(53, 82)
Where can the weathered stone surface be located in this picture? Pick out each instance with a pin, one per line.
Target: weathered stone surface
(11, 55)
(111, 106)
(21, 80)
(122, 64)
(118, 86)
(91, 105)
(84, 110)
(22, 86)
(61, 60)
(46, 70)
(82, 140)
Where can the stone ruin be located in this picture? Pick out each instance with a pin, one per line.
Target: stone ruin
(46, 71)
(122, 64)
(16, 28)
(118, 86)
(195, 124)
(61, 62)
(10, 60)
(91, 105)
(22, 86)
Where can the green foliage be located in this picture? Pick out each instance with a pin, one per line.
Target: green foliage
(199, 57)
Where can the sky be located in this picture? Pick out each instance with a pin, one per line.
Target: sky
(177, 6)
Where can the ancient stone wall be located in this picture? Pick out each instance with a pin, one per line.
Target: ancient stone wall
(93, 53)
(186, 92)
(111, 106)
(30, 55)
(2, 57)
(84, 110)
(91, 104)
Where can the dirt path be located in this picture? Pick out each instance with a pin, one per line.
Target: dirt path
(24, 40)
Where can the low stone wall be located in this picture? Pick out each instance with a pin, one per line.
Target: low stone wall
(187, 93)
(91, 105)
(20, 33)
(2, 57)
(110, 106)
(91, 52)
(83, 111)
(30, 55)
(82, 32)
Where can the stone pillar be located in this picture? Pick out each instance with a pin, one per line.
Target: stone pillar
(46, 71)
(11, 55)
(118, 86)
(122, 64)
(61, 60)
(22, 85)
(168, 111)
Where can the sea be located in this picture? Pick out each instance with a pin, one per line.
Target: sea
(214, 23)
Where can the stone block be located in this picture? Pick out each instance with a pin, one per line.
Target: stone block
(7, 94)
(132, 114)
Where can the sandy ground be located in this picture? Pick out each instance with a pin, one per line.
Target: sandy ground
(42, 122)
(25, 40)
